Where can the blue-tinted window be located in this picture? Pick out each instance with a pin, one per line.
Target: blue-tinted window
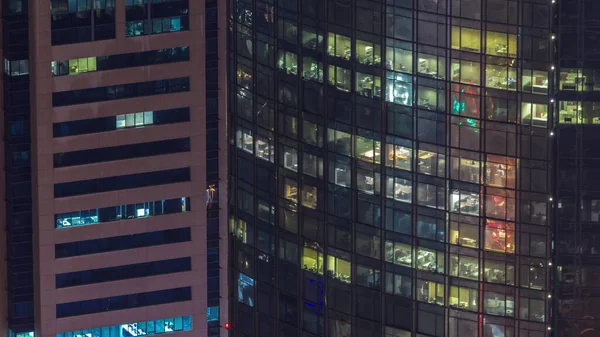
(120, 91)
(122, 212)
(212, 313)
(119, 122)
(246, 289)
(121, 182)
(143, 328)
(123, 302)
(123, 272)
(122, 242)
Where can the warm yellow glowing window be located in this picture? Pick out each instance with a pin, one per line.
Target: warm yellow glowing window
(82, 65)
(535, 81)
(309, 196)
(467, 39)
(339, 269)
(368, 53)
(290, 189)
(464, 298)
(534, 114)
(430, 292)
(368, 150)
(464, 234)
(429, 260)
(339, 45)
(501, 76)
(501, 44)
(312, 260)
(569, 112)
(398, 156)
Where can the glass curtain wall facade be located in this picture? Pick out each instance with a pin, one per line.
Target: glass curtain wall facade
(577, 150)
(17, 167)
(389, 167)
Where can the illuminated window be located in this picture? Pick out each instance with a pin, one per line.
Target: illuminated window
(265, 149)
(500, 171)
(312, 69)
(340, 78)
(430, 292)
(309, 196)
(398, 156)
(135, 119)
(368, 53)
(534, 114)
(244, 140)
(534, 81)
(429, 260)
(290, 189)
(431, 66)
(368, 85)
(81, 65)
(398, 253)
(241, 230)
(430, 162)
(339, 268)
(463, 298)
(499, 272)
(501, 44)
(398, 88)
(339, 46)
(398, 56)
(368, 150)
(501, 74)
(312, 258)
(464, 202)
(464, 266)
(246, 289)
(500, 236)
(398, 189)
(288, 62)
(465, 232)
(570, 112)
(497, 303)
(290, 158)
(467, 39)
(143, 328)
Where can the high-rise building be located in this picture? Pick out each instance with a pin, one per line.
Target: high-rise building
(576, 181)
(113, 173)
(390, 167)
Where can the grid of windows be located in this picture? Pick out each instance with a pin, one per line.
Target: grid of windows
(143, 328)
(398, 152)
(576, 192)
